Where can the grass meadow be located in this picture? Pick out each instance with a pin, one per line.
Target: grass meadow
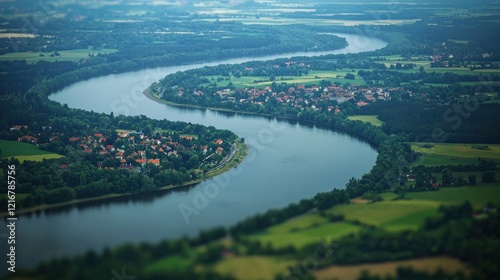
(68, 55)
(454, 154)
(24, 151)
(371, 119)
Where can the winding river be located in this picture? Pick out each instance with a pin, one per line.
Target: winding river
(286, 162)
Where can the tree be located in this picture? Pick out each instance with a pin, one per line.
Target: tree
(460, 181)
(488, 177)
(83, 178)
(350, 76)
(472, 180)
(447, 177)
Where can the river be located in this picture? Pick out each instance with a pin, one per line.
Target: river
(286, 162)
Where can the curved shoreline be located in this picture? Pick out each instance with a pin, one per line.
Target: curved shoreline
(155, 98)
(239, 156)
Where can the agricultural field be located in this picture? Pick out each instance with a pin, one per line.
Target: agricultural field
(305, 233)
(253, 267)
(430, 264)
(69, 55)
(24, 151)
(478, 195)
(168, 263)
(390, 215)
(434, 154)
(312, 78)
(373, 119)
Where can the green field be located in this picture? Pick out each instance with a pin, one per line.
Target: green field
(168, 264)
(303, 230)
(69, 55)
(454, 154)
(253, 267)
(478, 195)
(429, 264)
(389, 215)
(369, 119)
(312, 78)
(24, 151)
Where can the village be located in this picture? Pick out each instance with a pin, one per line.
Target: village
(312, 97)
(136, 150)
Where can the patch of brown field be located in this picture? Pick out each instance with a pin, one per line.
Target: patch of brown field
(431, 264)
(16, 35)
(360, 201)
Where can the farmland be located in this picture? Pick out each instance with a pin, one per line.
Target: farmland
(478, 195)
(434, 154)
(430, 264)
(304, 231)
(24, 151)
(68, 55)
(253, 267)
(312, 78)
(389, 215)
(369, 119)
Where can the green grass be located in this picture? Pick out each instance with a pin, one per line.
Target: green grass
(168, 264)
(389, 215)
(372, 119)
(388, 196)
(68, 55)
(303, 231)
(478, 195)
(24, 151)
(253, 267)
(454, 154)
(312, 78)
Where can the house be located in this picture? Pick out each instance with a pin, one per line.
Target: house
(154, 161)
(219, 150)
(129, 167)
(18, 127)
(410, 178)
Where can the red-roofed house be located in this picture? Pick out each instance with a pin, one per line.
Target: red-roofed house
(154, 161)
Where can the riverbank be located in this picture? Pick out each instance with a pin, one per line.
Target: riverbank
(156, 98)
(238, 157)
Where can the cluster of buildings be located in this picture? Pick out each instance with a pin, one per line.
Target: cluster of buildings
(307, 96)
(132, 149)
